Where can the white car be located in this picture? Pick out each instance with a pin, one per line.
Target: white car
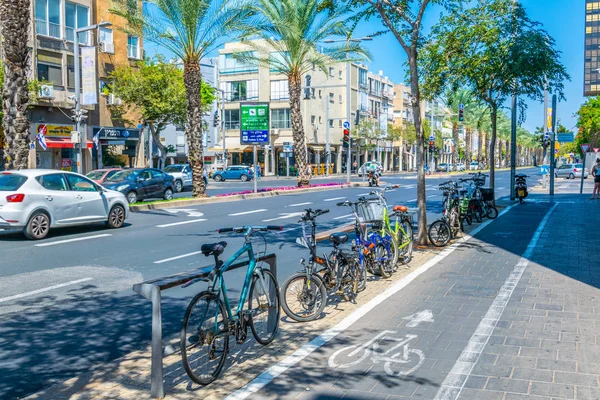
(36, 200)
(474, 165)
(366, 167)
(460, 166)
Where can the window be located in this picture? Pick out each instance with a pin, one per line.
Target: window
(280, 90)
(331, 122)
(71, 71)
(79, 184)
(10, 182)
(228, 64)
(313, 119)
(53, 182)
(133, 47)
(320, 94)
(47, 17)
(240, 90)
(157, 174)
(281, 118)
(331, 98)
(362, 77)
(331, 72)
(320, 119)
(232, 119)
(340, 124)
(76, 16)
(49, 67)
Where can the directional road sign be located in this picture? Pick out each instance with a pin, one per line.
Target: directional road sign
(566, 137)
(346, 125)
(431, 138)
(254, 123)
(544, 169)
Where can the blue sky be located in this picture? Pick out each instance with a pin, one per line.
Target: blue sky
(563, 19)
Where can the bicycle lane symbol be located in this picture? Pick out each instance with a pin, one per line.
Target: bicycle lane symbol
(398, 360)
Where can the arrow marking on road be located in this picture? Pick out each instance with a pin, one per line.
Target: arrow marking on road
(284, 216)
(416, 319)
(190, 212)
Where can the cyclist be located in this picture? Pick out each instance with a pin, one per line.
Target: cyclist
(375, 171)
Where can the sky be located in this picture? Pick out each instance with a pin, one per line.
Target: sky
(563, 19)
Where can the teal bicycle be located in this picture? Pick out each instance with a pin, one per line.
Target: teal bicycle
(209, 320)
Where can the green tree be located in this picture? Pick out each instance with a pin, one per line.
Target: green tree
(292, 33)
(189, 29)
(495, 49)
(588, 124)
(454, 98)
(157, 91)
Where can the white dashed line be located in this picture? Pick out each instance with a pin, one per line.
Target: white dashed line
(284, 216)
(300, 204)
(344, 216)
(192, 221)
(248, 212)
(79, 239)
(177, 257)
(335, 198)
(60, 285)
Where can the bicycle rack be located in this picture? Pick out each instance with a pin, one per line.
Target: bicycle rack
(152, 289)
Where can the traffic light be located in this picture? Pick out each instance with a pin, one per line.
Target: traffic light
(216, 119)
(461, 112)
(346, 138)
(357, 120)
(431, 144)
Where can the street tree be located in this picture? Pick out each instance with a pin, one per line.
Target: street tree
(156, 90)
(14, 30)
(190, 29)
(495, 49)
(404, 20)
(588, 123)
(454, 99)
(292, 33)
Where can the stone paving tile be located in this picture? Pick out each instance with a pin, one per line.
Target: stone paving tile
(562, 391)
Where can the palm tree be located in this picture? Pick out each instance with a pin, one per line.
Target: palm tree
(189, 29)
(454, 98)
(14, 29)
(294, 29)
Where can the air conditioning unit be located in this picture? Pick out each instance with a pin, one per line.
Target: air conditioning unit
(113, 100)
(107, 47)
(46, 92)
(275, 132)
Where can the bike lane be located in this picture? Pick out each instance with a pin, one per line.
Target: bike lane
(424, 339)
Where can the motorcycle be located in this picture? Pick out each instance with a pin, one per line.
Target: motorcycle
(372, 179)
(521, 187)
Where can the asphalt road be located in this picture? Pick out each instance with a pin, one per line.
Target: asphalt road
(66, 303)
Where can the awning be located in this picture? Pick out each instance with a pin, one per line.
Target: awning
(233, 145)
(281, 140)
(65, 143)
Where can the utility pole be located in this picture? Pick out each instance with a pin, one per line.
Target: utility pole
(513, 146)
(327, 146)
(552, 144)
(348, 115)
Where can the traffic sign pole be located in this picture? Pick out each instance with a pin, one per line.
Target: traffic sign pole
(552, 144)
(582, 174)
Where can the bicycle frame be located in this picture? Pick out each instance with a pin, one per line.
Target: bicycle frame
(387, 223)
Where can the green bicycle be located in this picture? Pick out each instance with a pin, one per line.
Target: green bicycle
(209, 321)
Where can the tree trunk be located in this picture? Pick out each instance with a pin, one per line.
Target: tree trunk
(480, 139)
(455, 147)
(295, 88)
(14, 29)
(468, 146)
(507, 158)
(416, 108)
(494, 116)
(192, 78)
(157, 143)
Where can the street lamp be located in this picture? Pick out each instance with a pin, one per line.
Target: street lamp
(348, 94)
(78, 113)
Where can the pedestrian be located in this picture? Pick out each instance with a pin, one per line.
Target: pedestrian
(258, 171)
(354, 166)
(309, 170)
(596, 175)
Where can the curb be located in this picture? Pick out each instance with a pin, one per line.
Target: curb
(237, 197)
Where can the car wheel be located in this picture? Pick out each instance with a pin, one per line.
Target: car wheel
(38, 226)
(178, 186)
(571, 176)
(132, 197)
(116, 217)
(218, 178)
(243, 178)
(168, 194)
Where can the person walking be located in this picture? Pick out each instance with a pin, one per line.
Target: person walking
(596, 175)
(258, 171)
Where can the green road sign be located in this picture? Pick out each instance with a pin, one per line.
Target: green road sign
(254, 123)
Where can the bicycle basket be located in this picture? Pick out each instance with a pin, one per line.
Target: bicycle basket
(371, 211)
(487, 194)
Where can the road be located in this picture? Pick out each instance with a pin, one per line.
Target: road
(66, 303)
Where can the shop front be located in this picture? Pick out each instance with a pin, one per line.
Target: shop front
(60, 152)
(117, 145)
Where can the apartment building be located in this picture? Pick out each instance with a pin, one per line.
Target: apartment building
(53, 34)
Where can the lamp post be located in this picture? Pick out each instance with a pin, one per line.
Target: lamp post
(348, 95)
(77, 67)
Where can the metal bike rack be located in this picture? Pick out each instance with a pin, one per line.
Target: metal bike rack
(152, 290)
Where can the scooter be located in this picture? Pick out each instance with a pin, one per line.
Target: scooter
(521, 187)
(372, 179)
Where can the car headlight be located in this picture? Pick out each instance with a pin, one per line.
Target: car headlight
(122, 187)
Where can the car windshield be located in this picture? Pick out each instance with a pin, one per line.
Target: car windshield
(124, 176)
(11, 182)
(578, 165)
(96, 174)
(174, 168)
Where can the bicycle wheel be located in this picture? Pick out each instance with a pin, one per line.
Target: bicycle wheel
(386, 260)
(303, 300)
(204, 338)
(405, 242)
(477, 213)
(492, 212)
(362, 277)
(439, 233)
(263, 304)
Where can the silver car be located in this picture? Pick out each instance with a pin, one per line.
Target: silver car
(37, 200)
(571, 171)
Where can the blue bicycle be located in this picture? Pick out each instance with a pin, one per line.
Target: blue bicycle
(209, 321)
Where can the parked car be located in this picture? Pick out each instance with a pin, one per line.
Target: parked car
(460, 166)
(474, 165)
(142, 183)
(571, 171)
(182, 174)
(212, 168)
(100, 175)
(240, 172)
(368, 166)
(37, 200)
(443, 167)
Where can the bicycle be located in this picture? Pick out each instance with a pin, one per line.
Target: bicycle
(209, 320)
(340, 273)
(443, 230)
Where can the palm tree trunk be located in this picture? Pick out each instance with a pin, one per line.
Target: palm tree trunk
(507, 159)
(295, 87)
(480, 139)
(14, 25)
(455, 148)
(468, 138)
(494, 115)
(192, 78)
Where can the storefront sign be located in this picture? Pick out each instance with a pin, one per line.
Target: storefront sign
(63, 131)
(254, 123)
(288, 147)
(88, 75)
(112, 133)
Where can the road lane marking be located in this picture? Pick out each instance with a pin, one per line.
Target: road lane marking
(363, 194)
(284, 216)
(181, 223)
(60, 285)
(273, 372)
(189, 211)
(177, 257)
(344, 216)
(79, 239)
(247, 212)
(457, 377)
(300, 204)
(335, 198)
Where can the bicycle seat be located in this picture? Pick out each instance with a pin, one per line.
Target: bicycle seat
(400, 209)
(213, 248)
(338, 238)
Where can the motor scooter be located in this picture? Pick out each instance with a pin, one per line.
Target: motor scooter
(521, 187)
(372, 179)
